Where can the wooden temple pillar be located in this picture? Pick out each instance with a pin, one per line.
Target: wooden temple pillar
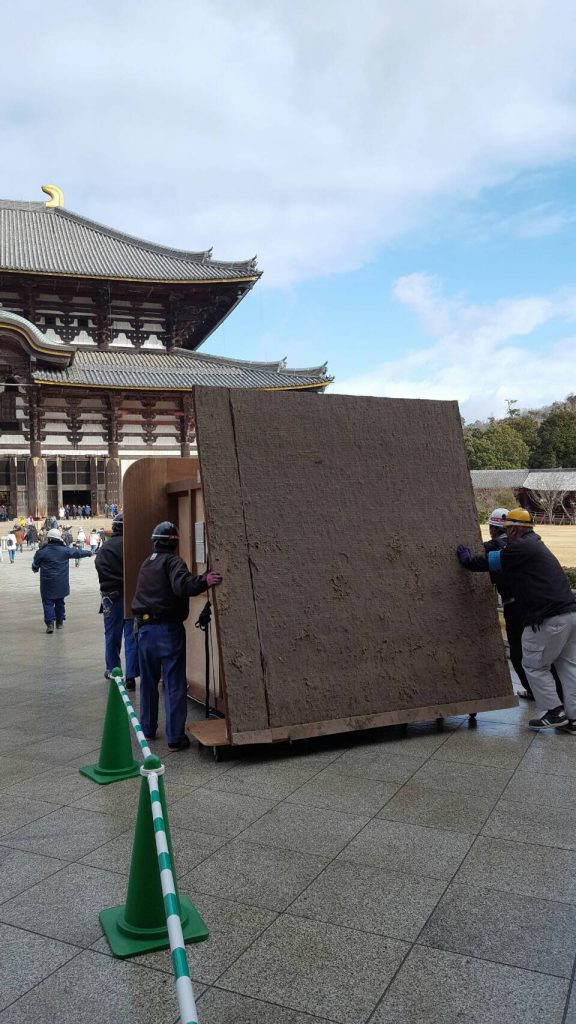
(59, 483)
(94, 484)
(37, 469)
(112, 473)
(13, 502)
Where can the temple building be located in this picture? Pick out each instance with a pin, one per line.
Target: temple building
(99, 338)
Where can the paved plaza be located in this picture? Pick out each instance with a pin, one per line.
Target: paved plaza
(426, 879)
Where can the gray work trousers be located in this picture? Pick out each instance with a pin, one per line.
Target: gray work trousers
(554, 642)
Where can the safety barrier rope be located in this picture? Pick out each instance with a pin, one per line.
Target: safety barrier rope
(184, 990)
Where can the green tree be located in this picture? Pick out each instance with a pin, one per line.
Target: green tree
(556, 442)
(527, 427)
(497, 447)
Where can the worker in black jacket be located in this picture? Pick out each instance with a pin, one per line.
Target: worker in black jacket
(512, 616)
(547, 607)
(110, 568)
(160, 607)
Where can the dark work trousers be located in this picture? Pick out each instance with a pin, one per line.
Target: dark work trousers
(514, 630)
(162, 650)
(116, 626)
(54, 608)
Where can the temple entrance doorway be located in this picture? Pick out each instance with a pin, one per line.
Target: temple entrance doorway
(76, 497)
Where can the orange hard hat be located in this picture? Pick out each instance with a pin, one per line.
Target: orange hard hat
(518, 517)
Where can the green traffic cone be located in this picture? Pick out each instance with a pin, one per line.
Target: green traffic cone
(139, 925)
(116, 760)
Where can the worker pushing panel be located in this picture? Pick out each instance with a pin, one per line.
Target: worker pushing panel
(334, 520)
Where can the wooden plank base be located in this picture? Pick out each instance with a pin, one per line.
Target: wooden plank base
(212, 733)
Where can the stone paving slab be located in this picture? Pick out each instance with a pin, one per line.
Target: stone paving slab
(538, 935)
(95, 989)
(19, 870)
(551, 755)
(438, 808)
(26, 959)
(261, 876)
(522, 868)
(14, 811)
(370, 899)
(66, 905)
(318, 831)
(67, 832)
(219, 1007)
(340, 793)
(217, 813)
(476, 991)
(397, 846)
(536, 809)
(366, 878)
(493, 744)
(324, 970)
(270, 781)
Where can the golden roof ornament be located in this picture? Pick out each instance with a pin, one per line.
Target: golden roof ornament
(56, 196)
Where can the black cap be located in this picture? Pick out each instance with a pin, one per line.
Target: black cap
(118, 523)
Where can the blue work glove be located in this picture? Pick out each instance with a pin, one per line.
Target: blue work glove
(463, 554)
(35, 568)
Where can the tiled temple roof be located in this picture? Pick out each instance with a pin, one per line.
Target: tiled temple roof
(41, 240)
(178, 369)
(528, 479)
(488, 479)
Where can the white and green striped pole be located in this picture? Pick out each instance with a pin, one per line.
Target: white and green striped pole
(151, 770)
(118, 678)
(184, 991)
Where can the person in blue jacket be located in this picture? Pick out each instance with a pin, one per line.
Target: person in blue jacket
(53, 563)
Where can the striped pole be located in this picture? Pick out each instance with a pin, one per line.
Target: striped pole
(118, 678)
(184, 990)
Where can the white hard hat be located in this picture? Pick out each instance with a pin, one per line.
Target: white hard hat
(54, 534)
(497, 517)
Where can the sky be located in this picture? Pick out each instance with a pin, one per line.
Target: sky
(403, 169)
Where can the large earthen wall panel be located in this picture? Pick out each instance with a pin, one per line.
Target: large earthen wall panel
(236, 620)
(335, 521)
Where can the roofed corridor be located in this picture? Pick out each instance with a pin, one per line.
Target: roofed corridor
(375, 878)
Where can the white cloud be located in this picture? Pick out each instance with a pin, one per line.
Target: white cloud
(311, 132)
(477, 354)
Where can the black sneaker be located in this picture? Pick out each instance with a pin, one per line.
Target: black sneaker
(59, 623)
(107, 674)
(571, 727)
(554, 719)
(50, 627)
(182, 744)
(130, 684)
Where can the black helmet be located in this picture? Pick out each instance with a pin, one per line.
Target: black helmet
(118, 523)
(165, 536)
